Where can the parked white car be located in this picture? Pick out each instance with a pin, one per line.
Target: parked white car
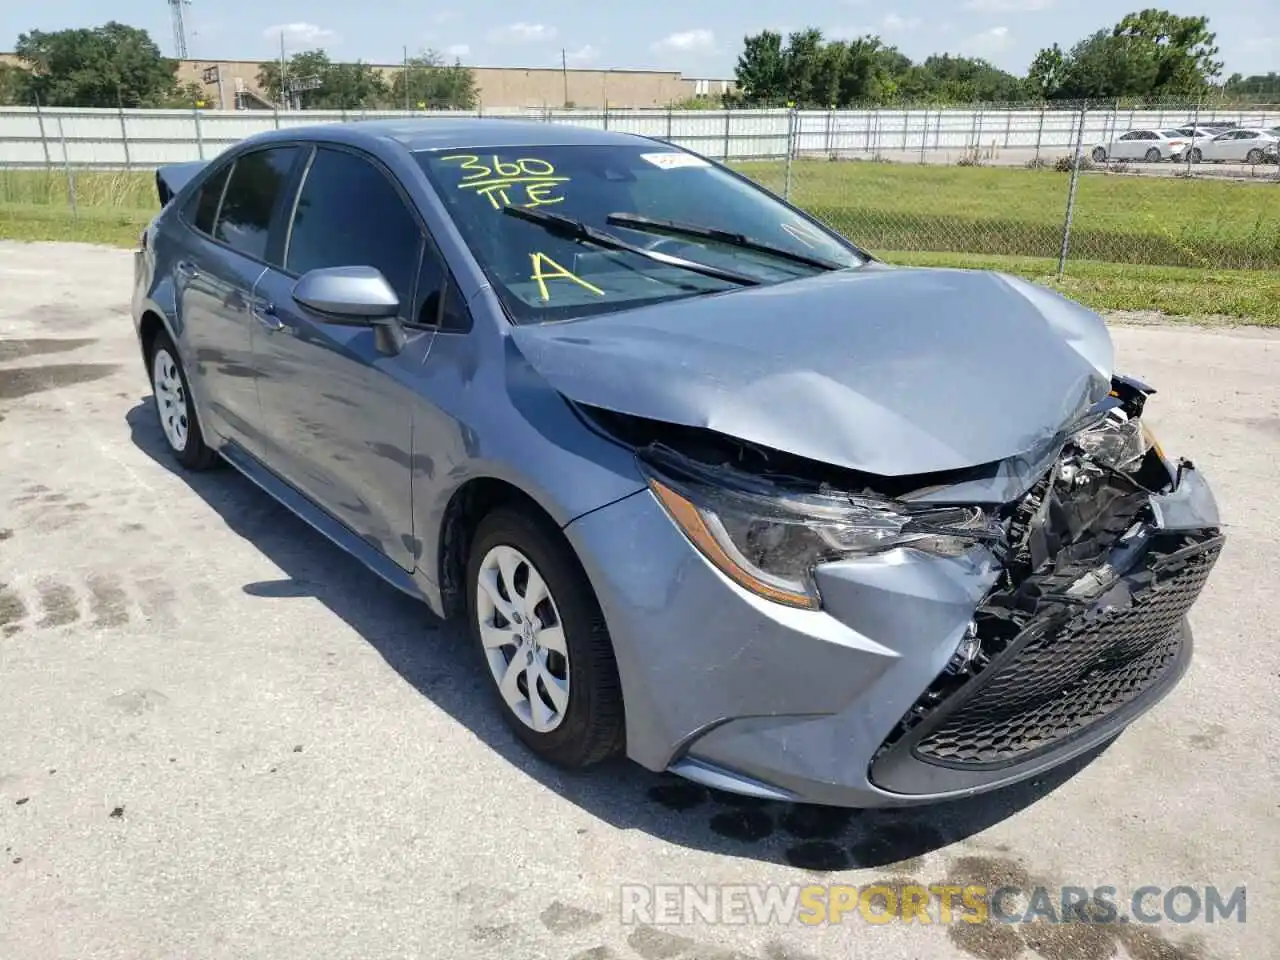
(1150, 145)
(1239, 146)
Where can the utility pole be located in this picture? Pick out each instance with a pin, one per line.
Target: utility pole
(283, 83)
(564, 71)
(406, 78)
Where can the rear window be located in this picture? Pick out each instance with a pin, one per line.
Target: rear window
(1174, 134)
(542, 276)
(204, 206)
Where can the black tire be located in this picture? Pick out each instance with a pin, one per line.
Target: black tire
(1099, 155)
(592, 728)
(1153, 155)
(195, 454)
(1254, 156)
(1196, 155)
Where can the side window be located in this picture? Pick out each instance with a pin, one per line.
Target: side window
(1248, 136)
(349, 215)
(1129, 136)
(434, 283)
(204, 205)
(256, 182)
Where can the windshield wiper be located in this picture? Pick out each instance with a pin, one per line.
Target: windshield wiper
(577, 230)
(633, 221)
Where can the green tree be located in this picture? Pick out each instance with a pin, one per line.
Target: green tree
(434, 85)
(1182, 50)
(1254, 89)
(761, 72)
(800, 60)
(1148, 54)
(1045, 76)
(341, 86)
(105, 66)
(15, 85)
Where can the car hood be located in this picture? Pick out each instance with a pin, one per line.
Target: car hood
(891, 371)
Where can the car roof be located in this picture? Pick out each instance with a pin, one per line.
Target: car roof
(451, 132)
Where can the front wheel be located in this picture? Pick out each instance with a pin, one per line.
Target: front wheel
(1099, 155)
(1196, 155)
(1254, 156)
(176, 409)
(1153, 155)
(540, 631)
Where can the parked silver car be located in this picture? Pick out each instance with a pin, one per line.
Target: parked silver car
(1149, 145)
(709, 484)
(1238, 146)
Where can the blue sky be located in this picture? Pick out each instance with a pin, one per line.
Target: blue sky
(700, 39)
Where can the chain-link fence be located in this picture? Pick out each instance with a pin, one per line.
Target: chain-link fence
(1175, 207)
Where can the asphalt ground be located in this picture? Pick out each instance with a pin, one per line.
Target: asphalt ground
(219, 737)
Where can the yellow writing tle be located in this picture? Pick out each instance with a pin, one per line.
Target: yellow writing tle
(536, 177)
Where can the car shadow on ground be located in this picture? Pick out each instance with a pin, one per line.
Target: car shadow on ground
(437, 659)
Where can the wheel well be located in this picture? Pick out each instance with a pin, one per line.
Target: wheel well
(469, 505)
(151, 325)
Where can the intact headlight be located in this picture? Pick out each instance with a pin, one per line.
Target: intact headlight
(770, 541)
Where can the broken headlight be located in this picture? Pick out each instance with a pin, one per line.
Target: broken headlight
(769, 540)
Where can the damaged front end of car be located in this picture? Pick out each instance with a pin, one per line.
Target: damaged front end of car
(1099, 542)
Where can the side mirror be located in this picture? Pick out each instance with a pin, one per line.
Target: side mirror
(348, 294)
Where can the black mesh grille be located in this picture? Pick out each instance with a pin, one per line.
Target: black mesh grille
(1067, 671)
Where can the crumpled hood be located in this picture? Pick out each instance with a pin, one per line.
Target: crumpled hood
(891, 371)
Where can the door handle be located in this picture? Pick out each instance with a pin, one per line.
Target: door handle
(265, 314)
(187, 271)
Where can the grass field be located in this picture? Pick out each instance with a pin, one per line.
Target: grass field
(1183, 247)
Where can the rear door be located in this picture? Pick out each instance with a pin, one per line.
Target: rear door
(337, 406)
(230, 222)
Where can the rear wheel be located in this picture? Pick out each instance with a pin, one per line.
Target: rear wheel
(1254, 156)
(540, 631)
(1153, 155)
(176, 409)
(1099, 155)
(1196, 155)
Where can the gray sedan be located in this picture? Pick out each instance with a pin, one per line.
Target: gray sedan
(711, 486)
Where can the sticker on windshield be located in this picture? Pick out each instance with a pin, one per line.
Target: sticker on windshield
(671, 160)
(530, 179)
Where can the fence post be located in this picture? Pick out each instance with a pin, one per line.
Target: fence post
(276, 112)
(606, 114)
(1040, 133)
(668, 123)
(867, 139)
(977, 145)
(71, 177)
(1008, 125)
(1071, 194)
(44, 139)
(195, 115)
(124, 134)
(831, 120)
(924, 134)
(1195, 131)
(791, 149)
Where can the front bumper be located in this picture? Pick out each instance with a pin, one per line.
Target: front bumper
(851, 705)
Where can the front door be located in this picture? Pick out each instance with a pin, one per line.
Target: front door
(337, 406)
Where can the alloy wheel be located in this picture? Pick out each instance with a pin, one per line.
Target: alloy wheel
(523, 638)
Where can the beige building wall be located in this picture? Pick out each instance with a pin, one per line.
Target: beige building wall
(501, 86)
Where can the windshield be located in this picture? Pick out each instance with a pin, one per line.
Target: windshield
(542, 274)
